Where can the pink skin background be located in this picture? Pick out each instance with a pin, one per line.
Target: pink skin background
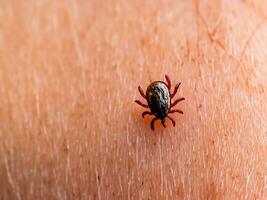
(69, 72)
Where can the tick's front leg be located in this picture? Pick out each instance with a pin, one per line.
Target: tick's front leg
(175, 89)
(168, 81)
(141, 92)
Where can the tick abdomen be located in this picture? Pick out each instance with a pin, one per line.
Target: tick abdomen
(158, 98)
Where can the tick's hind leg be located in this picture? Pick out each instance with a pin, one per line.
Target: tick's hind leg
(152, 123)
(141, 92)
(146, 113)
(173, 122)
(168, 81)
(177, 101)
(163, 123)
(141, 104)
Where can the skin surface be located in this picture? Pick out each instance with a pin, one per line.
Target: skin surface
(69, 72)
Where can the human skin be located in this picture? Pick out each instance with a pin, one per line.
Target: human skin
(69, 72)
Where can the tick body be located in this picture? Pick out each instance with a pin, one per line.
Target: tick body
(159, 100)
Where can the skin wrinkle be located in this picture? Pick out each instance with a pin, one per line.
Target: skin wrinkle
(68, 85)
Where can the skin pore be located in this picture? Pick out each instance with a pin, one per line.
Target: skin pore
(69, 72)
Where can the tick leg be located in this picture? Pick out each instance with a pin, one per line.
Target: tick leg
(168, 81)
(152, 123)
(177, 101)
(176, 110)
(175, 89)
(173, 122)
(163, 123)
(141, 92)
(146, 113)
(141, 104)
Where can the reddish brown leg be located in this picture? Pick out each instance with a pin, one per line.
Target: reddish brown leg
(173, 122)
(176, 110)
(141, 92)
(152, 123)
(175, 89)
(168, 81)
(177, 101)
(141, 104)
(146, 113)
(163, 123)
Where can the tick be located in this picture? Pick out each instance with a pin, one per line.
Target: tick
(159, 99)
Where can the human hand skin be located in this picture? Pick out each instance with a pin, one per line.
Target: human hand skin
(69, 75)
